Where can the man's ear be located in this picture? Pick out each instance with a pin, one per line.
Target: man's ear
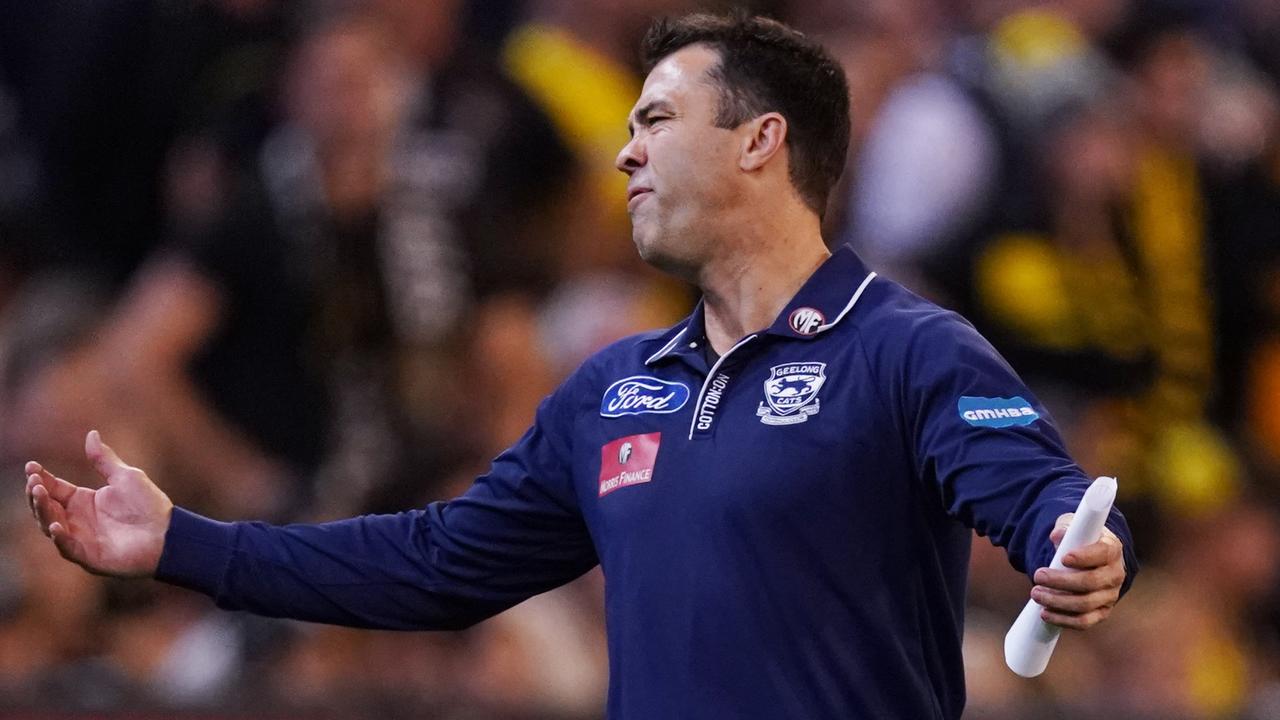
(765, 136)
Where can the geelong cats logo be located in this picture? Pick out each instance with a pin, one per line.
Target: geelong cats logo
(791, 393)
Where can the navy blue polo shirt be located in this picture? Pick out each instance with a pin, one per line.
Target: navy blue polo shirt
(783, 533)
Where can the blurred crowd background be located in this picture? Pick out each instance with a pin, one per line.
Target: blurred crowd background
(301, 260)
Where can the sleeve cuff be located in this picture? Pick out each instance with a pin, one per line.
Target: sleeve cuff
(196, 552)
(1130, 555)
(1116, 524)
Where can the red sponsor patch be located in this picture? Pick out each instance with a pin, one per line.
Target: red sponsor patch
(628, 461)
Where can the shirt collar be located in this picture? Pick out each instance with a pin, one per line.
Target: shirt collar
(825, 298)
(690, 332)
(822, 302)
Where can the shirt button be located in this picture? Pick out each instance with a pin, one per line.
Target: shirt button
(693, 344)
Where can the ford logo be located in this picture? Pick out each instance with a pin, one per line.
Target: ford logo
(640, 394)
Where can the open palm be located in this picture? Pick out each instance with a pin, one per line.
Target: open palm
(117, 529)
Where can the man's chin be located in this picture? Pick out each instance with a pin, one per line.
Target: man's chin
(661, 258)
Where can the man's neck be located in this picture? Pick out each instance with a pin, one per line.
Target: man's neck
(748, 290)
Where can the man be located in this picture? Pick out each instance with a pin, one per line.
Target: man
(778, 489)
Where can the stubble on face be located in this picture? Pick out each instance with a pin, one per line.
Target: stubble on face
(686, 160)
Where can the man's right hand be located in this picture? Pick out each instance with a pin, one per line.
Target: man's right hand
(116, 530)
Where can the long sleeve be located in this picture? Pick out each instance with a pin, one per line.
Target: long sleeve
(992, 450)
(515, 533)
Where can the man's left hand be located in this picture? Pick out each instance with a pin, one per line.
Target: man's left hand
(1083, 594)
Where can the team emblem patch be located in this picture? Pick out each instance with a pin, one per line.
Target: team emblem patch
(628, 461)
(996, 412)
(640, 394)
(791, 393)
(806, 320)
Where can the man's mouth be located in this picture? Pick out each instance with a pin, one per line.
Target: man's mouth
(633, 195)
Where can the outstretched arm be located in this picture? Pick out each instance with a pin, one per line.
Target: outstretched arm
(516, 533)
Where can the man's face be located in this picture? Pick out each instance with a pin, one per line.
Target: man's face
(683, 168)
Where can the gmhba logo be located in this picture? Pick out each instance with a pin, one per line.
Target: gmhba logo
(996, 412)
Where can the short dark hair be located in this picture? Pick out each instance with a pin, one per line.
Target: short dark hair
(766, 66)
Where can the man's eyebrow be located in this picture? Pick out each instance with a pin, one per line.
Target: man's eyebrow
(642, 114)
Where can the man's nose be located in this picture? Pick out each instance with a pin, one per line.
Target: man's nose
(630, 157)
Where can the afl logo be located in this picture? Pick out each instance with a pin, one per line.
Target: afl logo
(624, 453)
(806, 320)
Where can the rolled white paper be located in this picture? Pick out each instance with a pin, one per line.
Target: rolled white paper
(1030, 642)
